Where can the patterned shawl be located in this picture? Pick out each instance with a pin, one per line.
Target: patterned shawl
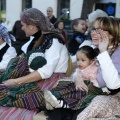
(33, 16)
(4, 34)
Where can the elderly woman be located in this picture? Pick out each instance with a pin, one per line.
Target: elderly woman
(25, 89)
(6, 50)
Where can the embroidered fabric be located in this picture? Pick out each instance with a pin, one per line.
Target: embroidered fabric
(48, 40)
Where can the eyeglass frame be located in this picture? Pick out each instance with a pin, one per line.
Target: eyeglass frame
(96, 30)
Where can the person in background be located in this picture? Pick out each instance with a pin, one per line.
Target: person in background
(78, 26)
(50, 16)
(7, 24)
(7, 52)
(60, 27)
(20, 36)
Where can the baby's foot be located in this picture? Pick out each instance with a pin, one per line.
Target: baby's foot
(51, 101)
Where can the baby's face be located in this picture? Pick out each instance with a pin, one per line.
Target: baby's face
(82, 60)
(81, 27)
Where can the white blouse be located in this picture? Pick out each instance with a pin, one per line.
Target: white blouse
(57, 59)
(109, 72)
(10, 53)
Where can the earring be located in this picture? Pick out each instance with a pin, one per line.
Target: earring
(31, 28)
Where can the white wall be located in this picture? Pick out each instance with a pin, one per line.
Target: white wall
(42, 5)
(75, 8)
(117, 9)
(13, 10)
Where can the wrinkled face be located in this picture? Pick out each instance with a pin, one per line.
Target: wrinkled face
(81, 27)
(27, 29)
(61, 25)
(49, 12)
(95, 35)
(82, 60)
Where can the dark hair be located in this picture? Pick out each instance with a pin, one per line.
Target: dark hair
(60, 22)
(88, 51)
(75, 22)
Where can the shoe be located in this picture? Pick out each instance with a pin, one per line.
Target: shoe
(51, 101)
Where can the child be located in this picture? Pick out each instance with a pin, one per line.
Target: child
(84, 75)
(79, 28)
(87, 67)
(60, 26)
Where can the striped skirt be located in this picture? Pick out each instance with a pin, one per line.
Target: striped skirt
(76, 99)
(30, 95)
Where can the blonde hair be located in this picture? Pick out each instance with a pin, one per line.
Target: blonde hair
(112, 25)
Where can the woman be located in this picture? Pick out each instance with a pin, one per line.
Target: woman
(108, 42)
(35, 24)
(105, 35)
(6, 50)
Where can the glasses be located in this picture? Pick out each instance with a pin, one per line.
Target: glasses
(96, 30)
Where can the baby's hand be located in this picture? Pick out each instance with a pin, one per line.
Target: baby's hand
(80, 85)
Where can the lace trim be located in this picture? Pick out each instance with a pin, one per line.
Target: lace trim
(34, 55)
(48, 41)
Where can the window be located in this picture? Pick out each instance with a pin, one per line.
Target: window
(26, 4)
(63, 6)
(109, 8)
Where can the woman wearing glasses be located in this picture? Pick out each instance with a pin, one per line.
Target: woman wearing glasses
(106, 36)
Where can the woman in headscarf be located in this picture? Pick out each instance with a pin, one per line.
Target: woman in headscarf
(25, 89)
(6, 50)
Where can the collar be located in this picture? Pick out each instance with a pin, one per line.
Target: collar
(2, 45)
(76, 33)
(37, 34)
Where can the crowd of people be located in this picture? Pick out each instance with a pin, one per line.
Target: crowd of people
(33, 75)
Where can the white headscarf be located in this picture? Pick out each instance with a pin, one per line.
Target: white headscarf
(98, 13)
(5, 35)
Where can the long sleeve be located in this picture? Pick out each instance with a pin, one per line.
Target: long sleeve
(57, 60)
(10, 53)
(110, 69)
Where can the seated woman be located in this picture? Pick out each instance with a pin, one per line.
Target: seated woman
(108, 43)
(109, 62)
(26, 92)
(24, 87)
(6, 50)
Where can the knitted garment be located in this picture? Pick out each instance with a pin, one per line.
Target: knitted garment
(89, 73)
(36, 59)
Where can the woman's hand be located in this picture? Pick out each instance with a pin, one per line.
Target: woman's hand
(10, 82)
(80, 85)
(103, 41)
